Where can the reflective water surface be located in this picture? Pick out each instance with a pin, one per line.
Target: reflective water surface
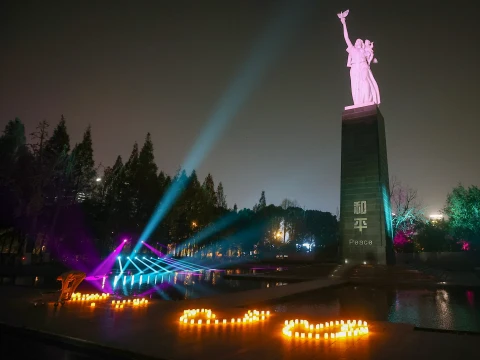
(174, 285)
(446, 309)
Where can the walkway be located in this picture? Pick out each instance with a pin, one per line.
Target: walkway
(155, 331)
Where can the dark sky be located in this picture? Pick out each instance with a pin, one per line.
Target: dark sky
(128, 68)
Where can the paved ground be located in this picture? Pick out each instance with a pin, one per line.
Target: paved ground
(155, 331)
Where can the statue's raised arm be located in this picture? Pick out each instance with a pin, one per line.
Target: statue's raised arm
(360, 55)
(342, 17)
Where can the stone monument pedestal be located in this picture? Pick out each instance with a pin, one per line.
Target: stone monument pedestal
(365, 212)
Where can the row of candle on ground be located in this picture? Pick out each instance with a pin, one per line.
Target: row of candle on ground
(344, 326)
(86, 297)
(350, 328)
(340, 334)
(120, 305)
(209, 317)
(134, 302)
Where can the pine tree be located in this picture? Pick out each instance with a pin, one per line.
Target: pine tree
(262, 203)
(131, 166)
(146, 182)
(59, 142)
(11, 142)
(41, 137)
(59, 189)
(84, 172)
(220, 196)
(209, 189)
(164, 182)
(235, 208)
(111, 182)
(129, 199)
(146, 160)
(42, 175)
(12, 149)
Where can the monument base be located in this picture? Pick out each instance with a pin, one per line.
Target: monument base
(359, 106)
(365, 212)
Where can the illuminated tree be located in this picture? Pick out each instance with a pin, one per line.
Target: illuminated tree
(463, 210)
(407, 211)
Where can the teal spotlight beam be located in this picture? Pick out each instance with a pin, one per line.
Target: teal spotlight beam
(189, 263)
(148, 266)
(120, 263)
(278, 32)
(140, 270)
(177, 267)
(211, 230)
(248, 235)
(161, 267)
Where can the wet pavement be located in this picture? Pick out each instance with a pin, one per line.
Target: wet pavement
(154, 330)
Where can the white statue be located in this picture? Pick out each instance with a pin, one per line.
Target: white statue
(364, 87)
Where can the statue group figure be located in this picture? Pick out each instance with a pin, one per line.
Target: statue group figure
(360, 56)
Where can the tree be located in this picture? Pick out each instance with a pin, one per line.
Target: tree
(42, 174)
(433, 237)
(221, 199)
(15, 183)
(11, 145)
(129, 202)
(84, 172)
(287, 203)
(463, 210)
(59, 142)
(145, 181)
(262, 203)
(407, 211)
(209, 189)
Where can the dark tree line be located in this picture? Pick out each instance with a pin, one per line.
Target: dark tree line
(54, 200)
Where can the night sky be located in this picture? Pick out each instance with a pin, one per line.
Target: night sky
(128, 68)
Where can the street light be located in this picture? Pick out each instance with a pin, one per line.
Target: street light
(98, 179)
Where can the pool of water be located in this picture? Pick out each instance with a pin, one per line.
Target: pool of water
(173, 285)
(443, 309)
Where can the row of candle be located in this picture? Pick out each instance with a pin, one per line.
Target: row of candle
(347, 329)
(120, 305)
(135, 303)
(87, 297)
(209, 318)
(327, 330)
